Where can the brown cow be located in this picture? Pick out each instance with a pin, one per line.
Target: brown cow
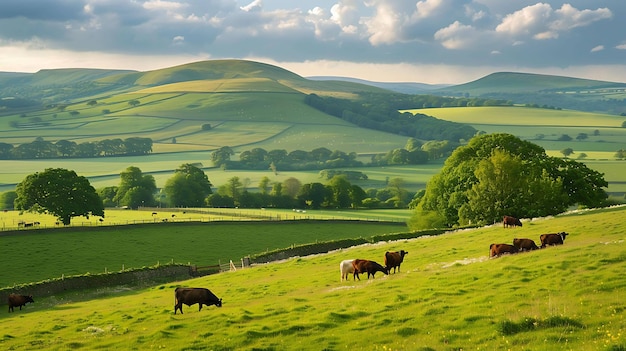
(394, 259)
(192, 296)
(508, 221)
(496, 250)
(552, 239)
(366, 266)
(19, 300)
(524, 244)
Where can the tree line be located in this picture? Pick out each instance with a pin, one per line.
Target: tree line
(381, 113)
(64, 194)
(414, 152)
(42, 149)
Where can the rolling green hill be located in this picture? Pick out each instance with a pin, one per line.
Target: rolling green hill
(448, 296)
(548, 90)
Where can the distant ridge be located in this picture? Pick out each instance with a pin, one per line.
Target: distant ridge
(399, 87)
(515, 82)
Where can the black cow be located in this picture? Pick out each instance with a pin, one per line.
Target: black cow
(524, 244)
(394, 259)
(508, 221)
(19, 300)
(192, 296)
(552, 239)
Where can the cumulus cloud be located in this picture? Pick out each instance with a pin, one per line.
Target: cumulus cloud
(480, 32)
(541, 21)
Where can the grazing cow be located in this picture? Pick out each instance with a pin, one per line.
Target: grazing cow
(524, 244)
(508, 221)
(192, 296)
(394, 259)
(366, 266)
(552, 239)
(496, 250)
(19, 300)
(346, 268)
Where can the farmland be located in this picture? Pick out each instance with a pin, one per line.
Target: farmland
(448, 295)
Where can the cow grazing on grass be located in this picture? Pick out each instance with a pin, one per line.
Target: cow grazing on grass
(394, 259)
(552, 239)
(367, 266)
(524, 244)
(192, 296)
(496, 250)
(19, 300)
(346, 268)
(508, 221)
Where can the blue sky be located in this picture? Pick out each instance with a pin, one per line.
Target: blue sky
(428, 41)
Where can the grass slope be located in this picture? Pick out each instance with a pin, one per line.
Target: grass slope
(515, 82)
(449, 296)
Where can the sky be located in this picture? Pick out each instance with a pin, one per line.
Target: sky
(425, 41)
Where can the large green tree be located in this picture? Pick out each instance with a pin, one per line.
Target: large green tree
(135, 189)
(188, 187)
(59, 192)
(498, 174)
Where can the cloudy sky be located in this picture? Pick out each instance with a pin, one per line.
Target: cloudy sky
(428, 41)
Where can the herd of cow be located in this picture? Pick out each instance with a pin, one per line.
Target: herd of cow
(361, 266)
(393, 260)
(520, 245)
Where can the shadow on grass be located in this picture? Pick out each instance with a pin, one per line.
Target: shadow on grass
(531, 324)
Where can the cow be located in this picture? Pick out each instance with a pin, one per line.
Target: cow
(367, 266)
(394, 259)
(524, 244)
(192, 296)
(345, 267)
(19, 300)
(508, 221)
(496, 250)
(552, 239)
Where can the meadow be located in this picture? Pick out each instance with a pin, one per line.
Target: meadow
(448, 296)
(134, 239)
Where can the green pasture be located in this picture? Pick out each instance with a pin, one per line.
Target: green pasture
(32, 255)
(448, 296)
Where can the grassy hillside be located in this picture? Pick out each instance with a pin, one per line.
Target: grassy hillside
(516, 82)
(448, 296)
(557, 91)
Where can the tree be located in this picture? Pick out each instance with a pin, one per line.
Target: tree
(340, 189)
(135, 189)
(233, 189)
(567, 151)
(492, 163)
(7, 200)
(264, 185)
(313, 195)
(59, 192)
(620, 154)
(133, 103)
(221, 156)
(291, 187)
(188, 187)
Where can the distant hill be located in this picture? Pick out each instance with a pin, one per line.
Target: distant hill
(398, 87)
(512, 82)
(545, 90)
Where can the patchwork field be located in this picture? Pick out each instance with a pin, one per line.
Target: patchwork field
(448, 296)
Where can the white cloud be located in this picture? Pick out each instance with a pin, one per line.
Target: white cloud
(542, 22)
(597, 48)
(621, 46)
(456, 36)
(255, 5)
(528, 20)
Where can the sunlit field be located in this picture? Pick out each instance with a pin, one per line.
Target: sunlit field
(448, 296)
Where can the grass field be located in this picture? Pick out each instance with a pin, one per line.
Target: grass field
(201, 237)
(448, 296)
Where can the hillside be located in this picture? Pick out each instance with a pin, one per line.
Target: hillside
(549, 90)
(448, 296)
